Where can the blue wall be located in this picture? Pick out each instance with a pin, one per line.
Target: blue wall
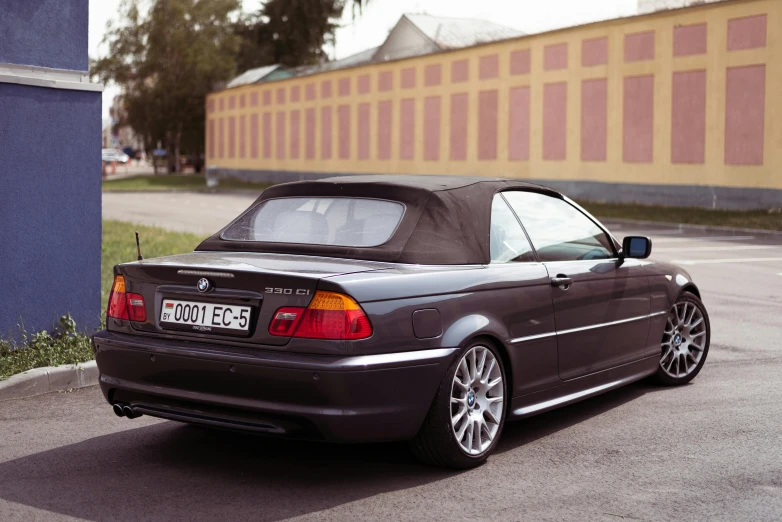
(50, 191)
(50, 206)
(45, 33)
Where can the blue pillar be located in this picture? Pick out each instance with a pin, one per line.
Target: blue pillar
(50, 192)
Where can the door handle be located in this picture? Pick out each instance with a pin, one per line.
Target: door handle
(561, 281)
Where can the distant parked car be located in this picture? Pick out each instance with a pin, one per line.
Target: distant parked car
(109, 155)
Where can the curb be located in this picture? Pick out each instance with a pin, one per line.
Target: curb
(49, 379)
(702, 228)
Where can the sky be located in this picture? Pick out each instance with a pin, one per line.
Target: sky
(370, 28)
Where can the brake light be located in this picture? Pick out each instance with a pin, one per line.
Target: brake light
(123, 305)
(136, 308)
(333, 316)
(118, 305)
(285, 320)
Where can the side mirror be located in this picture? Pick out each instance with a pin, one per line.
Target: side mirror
(636, 247)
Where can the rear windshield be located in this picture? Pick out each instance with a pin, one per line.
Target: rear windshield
(349, 222)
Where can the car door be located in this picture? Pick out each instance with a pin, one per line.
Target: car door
(601, 306)
(522, 302)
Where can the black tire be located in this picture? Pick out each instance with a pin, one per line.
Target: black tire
(436, 443)
(661, 377)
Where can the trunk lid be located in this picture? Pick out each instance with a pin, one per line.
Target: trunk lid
(244, 291)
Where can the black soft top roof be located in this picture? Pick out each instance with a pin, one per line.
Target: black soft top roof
(446, 219)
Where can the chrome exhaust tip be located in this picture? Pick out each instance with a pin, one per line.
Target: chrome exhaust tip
(128, 412)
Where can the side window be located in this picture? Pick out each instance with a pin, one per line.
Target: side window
(507, 239)
(559, 231)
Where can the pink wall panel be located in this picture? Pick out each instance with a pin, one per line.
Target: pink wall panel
(364, 130)
(253, 135)
(267, 97)
(487, 125)
(242, 137)
(280, 95)
(210, 139)
(241, 101)
(555, 121)
(363, 84)
(459, 120)
(309, 133)
(460, 71)
(594, 119)
(231, 102)
(295, 133)
(555, 57)
(210, 106)
(745, 105)
(594, 52)
(309, 91)
(638, 119)
(325, 133)
(407, 129)
(384, 130)
(432, 128)
(689, 39)
(220, 138)
(639, 46)
(343, 122)
(747, 33)
(688, 117)
(253, 99)
(488, 66)
(279, 128)
(325, 89)
(520, 61)
(385, 81)
(407, 79)
(221, 104)
(343, 87)
(231, 137)
(518, 132)
(295, 93)
(433, 75)
(267, 135)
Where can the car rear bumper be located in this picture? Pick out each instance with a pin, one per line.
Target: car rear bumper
(336, 398)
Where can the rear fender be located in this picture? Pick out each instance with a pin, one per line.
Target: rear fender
(466, 328)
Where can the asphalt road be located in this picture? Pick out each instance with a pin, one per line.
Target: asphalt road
(711, 450)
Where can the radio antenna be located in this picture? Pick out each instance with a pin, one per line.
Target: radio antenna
(138, 248)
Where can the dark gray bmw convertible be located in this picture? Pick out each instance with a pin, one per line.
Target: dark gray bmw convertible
(429, 309)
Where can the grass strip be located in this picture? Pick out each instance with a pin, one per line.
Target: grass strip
(177, 182)
(750, 219)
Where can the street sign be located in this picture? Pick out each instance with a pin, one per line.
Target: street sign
(159, 152)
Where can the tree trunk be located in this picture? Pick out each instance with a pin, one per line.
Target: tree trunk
(178, 140)
(170, 157)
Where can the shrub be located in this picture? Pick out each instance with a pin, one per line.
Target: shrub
(63, 346)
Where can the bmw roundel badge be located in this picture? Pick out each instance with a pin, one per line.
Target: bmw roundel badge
(204, 285)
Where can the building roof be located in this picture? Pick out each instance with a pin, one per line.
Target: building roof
(453, 33)
(353, 60)
(253, 75)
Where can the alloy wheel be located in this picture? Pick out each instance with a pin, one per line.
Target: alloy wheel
(684, 340)
(477, 400)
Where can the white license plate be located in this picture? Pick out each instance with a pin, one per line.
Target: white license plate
(205, 317)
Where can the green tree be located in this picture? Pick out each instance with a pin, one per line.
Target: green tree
(166, 61)
(290, 32)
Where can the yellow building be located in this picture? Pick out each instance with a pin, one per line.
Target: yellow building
(675, 107)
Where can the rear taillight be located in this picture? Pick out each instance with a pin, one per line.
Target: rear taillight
(136, 308)
(333, 316)
(285, 320)
(118, 304)
(123, 305)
